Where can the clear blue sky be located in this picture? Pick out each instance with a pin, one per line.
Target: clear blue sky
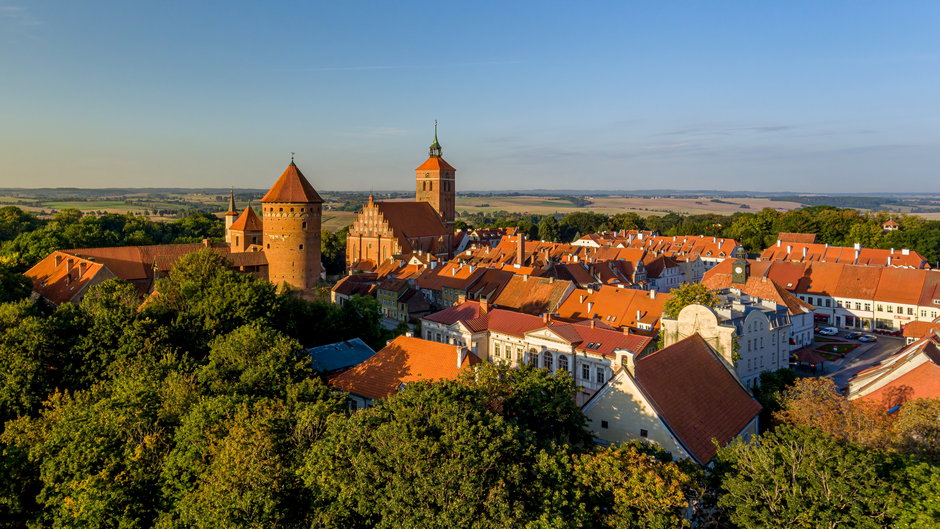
(802, 96)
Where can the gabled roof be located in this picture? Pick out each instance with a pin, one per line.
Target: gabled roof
(61, 276)
(356, 284)
(411, 219)
(761, 287)
(695, 395)
(466, 311)
(435, 163)
(532, 295)
(804, 238)
(403, 360)
(597, 340)
(920, 329)
(506, 322)
(615, 306)
(247, 221)
(917, 366)
(292, 187)
(339, 355)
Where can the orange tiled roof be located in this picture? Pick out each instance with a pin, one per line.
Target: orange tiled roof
(805, 238)
(597, 340)
(61, 276)
(920, 329)
(292, 186)
(761, 287)
(532, 295)
(615, 306)
(895, 371)
(411, 219)
(247, 221)
(435, 163)
(403, 360)
(695, 395)
(803, 252)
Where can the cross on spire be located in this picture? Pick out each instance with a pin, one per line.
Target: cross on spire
(435, 150)
(292, 157)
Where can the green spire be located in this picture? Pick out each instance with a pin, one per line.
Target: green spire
(231, 200)
(435, 150)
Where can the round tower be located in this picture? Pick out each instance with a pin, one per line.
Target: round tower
(291, 214)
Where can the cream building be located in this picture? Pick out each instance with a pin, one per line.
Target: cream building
(750, 333)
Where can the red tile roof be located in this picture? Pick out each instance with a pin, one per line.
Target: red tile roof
(920, 329)
(805, 238)
(917, 366)
(695, 395)
(466, 311)
(403, 360)
(61, 282)
(292, 187)
(600, 341)
(411, 219)
(435, 163)
(247, 221)
(615, 306)
(506, 322)
(803, 252)
(761, 287)
(532, 295)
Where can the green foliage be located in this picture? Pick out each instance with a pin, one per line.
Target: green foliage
(688, 294)
(804, 478)
(26, 239)
(549, 229)
(333, 250)
(13, 285)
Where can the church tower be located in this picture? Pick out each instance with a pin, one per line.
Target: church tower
(435, 183)
(291, 214)
(230, 216)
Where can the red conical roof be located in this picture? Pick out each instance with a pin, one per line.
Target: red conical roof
(293, 187)
(248, 221)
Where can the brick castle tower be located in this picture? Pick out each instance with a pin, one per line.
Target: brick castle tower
(291, 213)
(435, 183)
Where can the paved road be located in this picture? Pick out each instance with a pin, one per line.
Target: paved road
(869, 354)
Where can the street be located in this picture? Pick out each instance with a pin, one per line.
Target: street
(865, 356)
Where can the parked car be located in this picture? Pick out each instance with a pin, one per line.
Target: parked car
(868, 338)
(853, 335)
(828, 331)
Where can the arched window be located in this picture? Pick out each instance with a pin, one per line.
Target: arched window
(547, 361)
(532, 358)
(563, 362)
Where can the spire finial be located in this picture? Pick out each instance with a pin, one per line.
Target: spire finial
(435, 150)
(292, 158)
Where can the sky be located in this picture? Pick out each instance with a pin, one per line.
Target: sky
(834, 96)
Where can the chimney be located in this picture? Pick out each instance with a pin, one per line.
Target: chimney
(778, 243)
(892, 251)
(639, 316)
(581, 298)
(484, 305)
(410, 334)
(626, 330)
(652, 293)
(58, 259)
(590, 306)
(593, 323)
(461, 299)
(68, 265)
(720, 242)
(453, 271)
(205, 243)
(789, 249)
(520, 250)
(858, 246)
(627, 360)
(461, 355)
(804, 252)
(546, 318)
(82, 266)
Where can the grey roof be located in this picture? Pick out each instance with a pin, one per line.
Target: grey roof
(339, 355)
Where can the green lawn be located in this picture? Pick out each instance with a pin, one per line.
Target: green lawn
(838, 348)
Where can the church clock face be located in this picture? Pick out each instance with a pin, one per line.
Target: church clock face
(738, 270)
(427, 175)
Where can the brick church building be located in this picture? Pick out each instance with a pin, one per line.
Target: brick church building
(385, 228)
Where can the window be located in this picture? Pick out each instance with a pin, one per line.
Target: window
(439, 338)
(644, 433)
(868, 306)
(586, 372)
(604, 424)
(879, 307)
(301, 246)
(890, 308)
(910, 311)
(600, 375)
(547, 361)
(900, 309)
(563, 362)
(858, 306)
(303, 225)
(496, 350)
(353, 405)
(828, 302)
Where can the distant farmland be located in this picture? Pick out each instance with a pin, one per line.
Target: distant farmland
(611, 205)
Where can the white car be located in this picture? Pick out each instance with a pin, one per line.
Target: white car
(828, 331)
